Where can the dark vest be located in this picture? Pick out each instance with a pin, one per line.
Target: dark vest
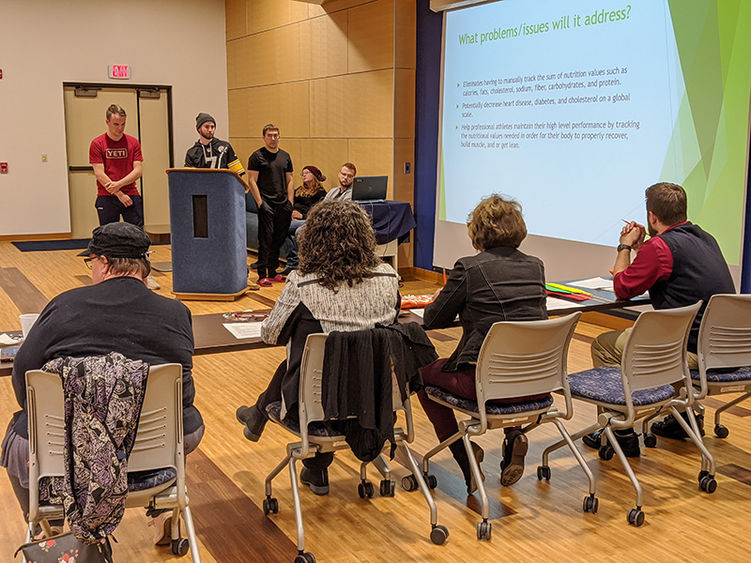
(699, 272)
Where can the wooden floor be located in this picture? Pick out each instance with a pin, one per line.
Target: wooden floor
(531, 521)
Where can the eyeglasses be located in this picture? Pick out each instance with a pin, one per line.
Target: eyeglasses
(88, 261)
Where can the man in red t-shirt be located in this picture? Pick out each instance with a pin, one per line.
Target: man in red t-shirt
(117, 161)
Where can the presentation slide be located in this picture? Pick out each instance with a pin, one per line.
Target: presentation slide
(574, 108)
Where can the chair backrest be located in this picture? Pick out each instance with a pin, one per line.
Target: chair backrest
(655, 351)
(519, 358)
(311, 380)
(46, 412)
(725, 333)
(158, 439)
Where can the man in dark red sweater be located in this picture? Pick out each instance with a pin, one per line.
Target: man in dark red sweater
(679, 265)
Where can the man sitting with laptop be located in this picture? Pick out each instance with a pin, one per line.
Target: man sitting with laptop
(346, 177)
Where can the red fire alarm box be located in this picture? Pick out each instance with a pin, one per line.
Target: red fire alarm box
(3, 167)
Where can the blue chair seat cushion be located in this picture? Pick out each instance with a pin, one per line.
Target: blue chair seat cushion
(320, 429)
(606, 386)
(491, 408)
(142, 480)
(725, 375)
(138, 480)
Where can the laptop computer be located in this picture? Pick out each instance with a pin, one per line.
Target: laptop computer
(369, 188)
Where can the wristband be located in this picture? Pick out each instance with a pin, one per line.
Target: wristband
(623, 247)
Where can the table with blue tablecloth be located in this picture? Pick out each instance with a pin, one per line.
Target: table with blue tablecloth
(392, 222)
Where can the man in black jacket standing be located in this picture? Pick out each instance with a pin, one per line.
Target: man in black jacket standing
(210, 152)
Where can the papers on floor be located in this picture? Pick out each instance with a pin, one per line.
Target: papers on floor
(418, 312)
(244, 330)
(553, 303)
(594, 283)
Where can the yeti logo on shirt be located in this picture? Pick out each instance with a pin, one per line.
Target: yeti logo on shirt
(117, 153)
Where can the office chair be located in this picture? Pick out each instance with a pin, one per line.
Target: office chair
(517, 359)
(157, 456)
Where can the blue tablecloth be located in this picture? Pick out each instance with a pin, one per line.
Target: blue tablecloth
(391, 220)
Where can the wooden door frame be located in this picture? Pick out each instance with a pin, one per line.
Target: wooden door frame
(137, 88)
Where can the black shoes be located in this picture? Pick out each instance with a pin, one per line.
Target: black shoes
(514, 449)
(593, 440)
(460, 455)
(254, 421)
(627, 439)
(669, 427)
(317, 480)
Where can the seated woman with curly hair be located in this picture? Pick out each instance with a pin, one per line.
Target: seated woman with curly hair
(498, 284)
(340, 285)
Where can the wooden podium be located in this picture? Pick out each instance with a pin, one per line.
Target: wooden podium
(207, 230)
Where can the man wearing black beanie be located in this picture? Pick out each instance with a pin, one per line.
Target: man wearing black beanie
(210, 152)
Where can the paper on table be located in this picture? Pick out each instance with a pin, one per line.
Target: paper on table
(6, 340)
(553, 303)
(418, 312)
(594, 283)
(244, 330)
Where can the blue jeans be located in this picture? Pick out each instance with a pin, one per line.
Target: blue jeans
(292, 260)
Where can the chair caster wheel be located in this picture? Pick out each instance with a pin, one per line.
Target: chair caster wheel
(606, 452)
(636, 517)
(180, 546)
(708, 484)
(305, 557)
(439, 534)
(484, 530)
(365, 489)
(387, 488)
(543, 472)
(650, 440)
(703, 473)
(409, 483)
(430, 480)
(591, 504)
(270, 506)
(721, 431)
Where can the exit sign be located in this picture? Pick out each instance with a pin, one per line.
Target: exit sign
(121, 72)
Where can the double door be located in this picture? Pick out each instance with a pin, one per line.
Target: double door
(148, 120)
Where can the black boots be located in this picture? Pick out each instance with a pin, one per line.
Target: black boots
(460, 455)
(254, 421)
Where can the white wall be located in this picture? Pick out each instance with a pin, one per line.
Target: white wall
(43, 43)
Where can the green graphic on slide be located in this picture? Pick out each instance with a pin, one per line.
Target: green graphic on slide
(712, 125)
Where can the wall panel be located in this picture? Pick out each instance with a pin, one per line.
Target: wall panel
(270, 14)
(405, 34)
(404, 103)
(371, 36)
(236, 18)
(284, 105)
(327, 53)
(353, 105)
